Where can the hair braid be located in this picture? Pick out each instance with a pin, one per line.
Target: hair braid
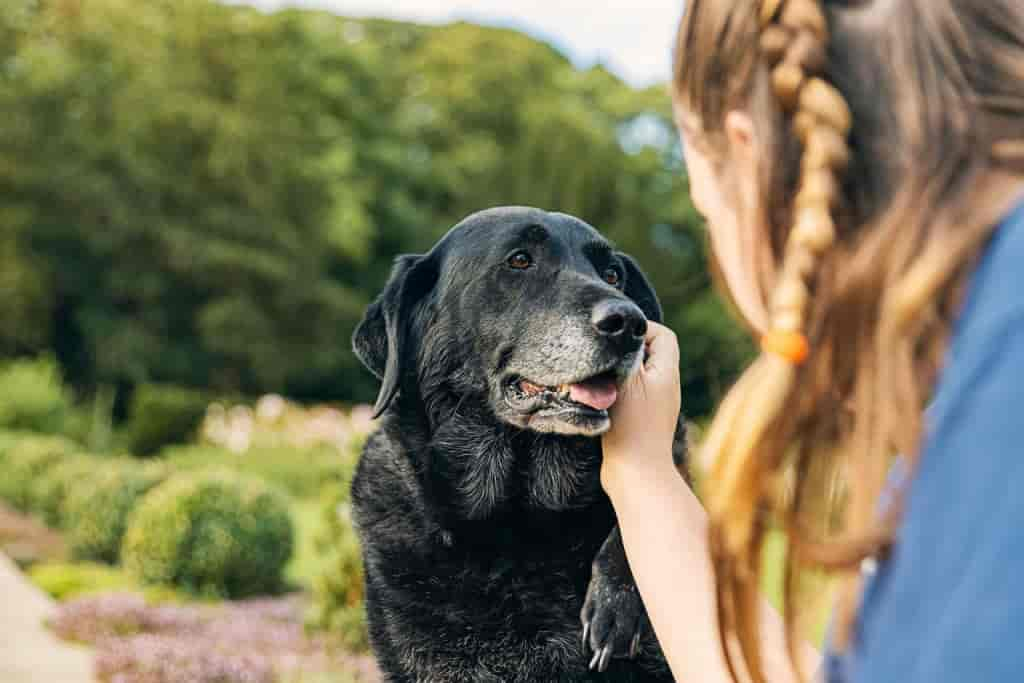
(793, 39)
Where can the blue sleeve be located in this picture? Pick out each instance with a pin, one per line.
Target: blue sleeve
(948, 604)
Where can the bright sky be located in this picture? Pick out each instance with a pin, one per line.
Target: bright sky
(631, 37)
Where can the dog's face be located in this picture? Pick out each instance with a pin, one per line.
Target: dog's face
(535, 312)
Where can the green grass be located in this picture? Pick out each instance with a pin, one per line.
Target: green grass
(64, 581)
(307, 515)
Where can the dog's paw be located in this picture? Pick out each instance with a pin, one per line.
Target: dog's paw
(614, 621)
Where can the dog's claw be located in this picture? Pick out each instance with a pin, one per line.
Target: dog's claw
(586, 635)
(601, 659)
(634, 647)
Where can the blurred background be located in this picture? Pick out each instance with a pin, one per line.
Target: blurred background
(197, 201)
(208, 195)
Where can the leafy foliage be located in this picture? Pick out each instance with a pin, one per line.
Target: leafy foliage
(24, 462)
(214, 532)
(162, 415)
(213, 202)
(96, 515)
(337, 602)
(51, 489)
(33, 396)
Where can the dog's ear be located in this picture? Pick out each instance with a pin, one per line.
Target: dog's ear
(381, 341)
(639, 289)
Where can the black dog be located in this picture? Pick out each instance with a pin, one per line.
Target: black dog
(485, 531)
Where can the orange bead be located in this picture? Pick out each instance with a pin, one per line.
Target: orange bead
(792, 346)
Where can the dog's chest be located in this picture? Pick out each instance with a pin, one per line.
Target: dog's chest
(500, 619)
(548, 657)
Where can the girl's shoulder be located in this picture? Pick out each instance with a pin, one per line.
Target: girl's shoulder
(947, 604)
(996, 294)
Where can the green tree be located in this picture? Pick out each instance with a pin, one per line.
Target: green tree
(207, 195)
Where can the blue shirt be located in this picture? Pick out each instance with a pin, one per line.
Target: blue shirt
(947, 605)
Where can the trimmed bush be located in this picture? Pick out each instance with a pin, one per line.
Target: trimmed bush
(338, 589)
(162, 415)
(96, 515)
(24, 462)
(51, 489)
(32, 396)
(213, 532)
(301, 471)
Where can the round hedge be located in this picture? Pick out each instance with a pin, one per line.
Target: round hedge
(24, 462)
(213, 532)
(51, 489)
(96, 516)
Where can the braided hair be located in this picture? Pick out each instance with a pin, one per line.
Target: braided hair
(873, 227)
(793, 41)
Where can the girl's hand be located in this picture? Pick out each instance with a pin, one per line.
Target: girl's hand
(645, 416)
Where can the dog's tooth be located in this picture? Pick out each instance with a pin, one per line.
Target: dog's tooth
(530, 388)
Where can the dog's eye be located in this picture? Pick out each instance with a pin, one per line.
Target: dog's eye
(520, 260)
(612, 276)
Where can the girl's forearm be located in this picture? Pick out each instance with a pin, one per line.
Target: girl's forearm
(664, 529)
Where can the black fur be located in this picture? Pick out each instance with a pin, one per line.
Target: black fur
(481, 515)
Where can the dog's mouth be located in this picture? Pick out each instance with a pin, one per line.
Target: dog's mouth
(595, 394)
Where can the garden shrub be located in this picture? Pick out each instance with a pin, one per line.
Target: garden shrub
(212, 532)
(162, 415)
(300, 471)
(96, 515)
(337, 602)
(24, 462)
(51, 489)
(33, 396)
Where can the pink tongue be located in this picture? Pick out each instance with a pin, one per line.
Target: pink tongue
(599, 395)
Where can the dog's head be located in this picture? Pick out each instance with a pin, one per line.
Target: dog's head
(533, 312)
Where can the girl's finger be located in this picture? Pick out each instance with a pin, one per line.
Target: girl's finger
(662, 348)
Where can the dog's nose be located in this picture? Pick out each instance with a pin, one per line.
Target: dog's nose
(620, 322)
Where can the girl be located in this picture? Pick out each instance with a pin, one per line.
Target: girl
(861, 168)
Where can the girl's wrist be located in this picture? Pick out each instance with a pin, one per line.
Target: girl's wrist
(644, 496)
(629, 479)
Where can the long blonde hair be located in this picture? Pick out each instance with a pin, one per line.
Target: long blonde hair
(884, 122)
